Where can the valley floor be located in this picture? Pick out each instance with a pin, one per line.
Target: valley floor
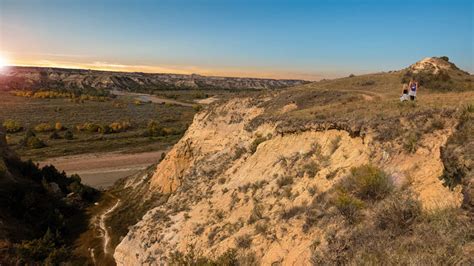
(101, 170)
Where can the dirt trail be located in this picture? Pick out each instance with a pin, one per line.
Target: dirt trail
(101, 170)
(103, 226)
(150, 98)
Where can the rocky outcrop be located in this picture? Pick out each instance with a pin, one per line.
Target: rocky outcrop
(264, 176)
(19, 78)
(225, 181)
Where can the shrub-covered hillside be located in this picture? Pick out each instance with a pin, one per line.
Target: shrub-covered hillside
(41, 210)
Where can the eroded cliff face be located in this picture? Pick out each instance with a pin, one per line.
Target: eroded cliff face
(20, 78)
(229, 184)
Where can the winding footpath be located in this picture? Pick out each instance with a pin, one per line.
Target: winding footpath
(103, 226)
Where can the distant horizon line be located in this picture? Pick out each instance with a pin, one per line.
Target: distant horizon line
(165, 72)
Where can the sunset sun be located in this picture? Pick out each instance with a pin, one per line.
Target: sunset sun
(3, 62)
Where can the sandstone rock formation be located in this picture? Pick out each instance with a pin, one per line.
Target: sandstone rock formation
(259, 175)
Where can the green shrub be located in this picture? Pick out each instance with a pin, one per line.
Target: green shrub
(44, 127)
(469, 108)
(69, 135)
(47, 249)
(89, 127)
(12, 126)
(348, 206)
(35, 143)
(368, 183)
(154, 129)
(117, 127)
(197, 108)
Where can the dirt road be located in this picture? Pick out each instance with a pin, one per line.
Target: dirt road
(150, 98)
(101, 170)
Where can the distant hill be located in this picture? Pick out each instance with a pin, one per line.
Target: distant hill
(34, 78)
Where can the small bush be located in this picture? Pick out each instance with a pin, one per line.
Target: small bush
(118, 127)
(255, 143)
(292, 212)
(34, 143)
(261, 228)
(69, 135)
(58, 126)
(311, 169)
(335, 144)
(197, 108)
(44, 127)
(244, 241)
(284, 181)
(368, 83)
(437, 124)
(89, 127)
(348, 206)
(410, 143)
(397, 213)
(54, 136)
(12, 126)
(368, 183)
(331, 174)
(154, 129)
(239, 152)
(257, 214)
(45, 249)
(469, 108)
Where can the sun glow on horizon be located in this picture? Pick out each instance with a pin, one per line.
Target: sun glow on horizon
(3, 62)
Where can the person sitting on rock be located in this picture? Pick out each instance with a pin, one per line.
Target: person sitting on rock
(413, 86)
(405, 95)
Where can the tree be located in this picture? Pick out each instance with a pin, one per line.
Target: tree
(69, 135)
(154, 129)
(54, 135)
(58, 126)
(12, 126)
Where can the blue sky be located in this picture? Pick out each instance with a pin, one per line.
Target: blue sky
(288, 39)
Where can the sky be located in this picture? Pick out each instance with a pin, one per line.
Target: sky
(261, 38)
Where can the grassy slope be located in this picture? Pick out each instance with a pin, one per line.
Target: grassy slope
(392, 230)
